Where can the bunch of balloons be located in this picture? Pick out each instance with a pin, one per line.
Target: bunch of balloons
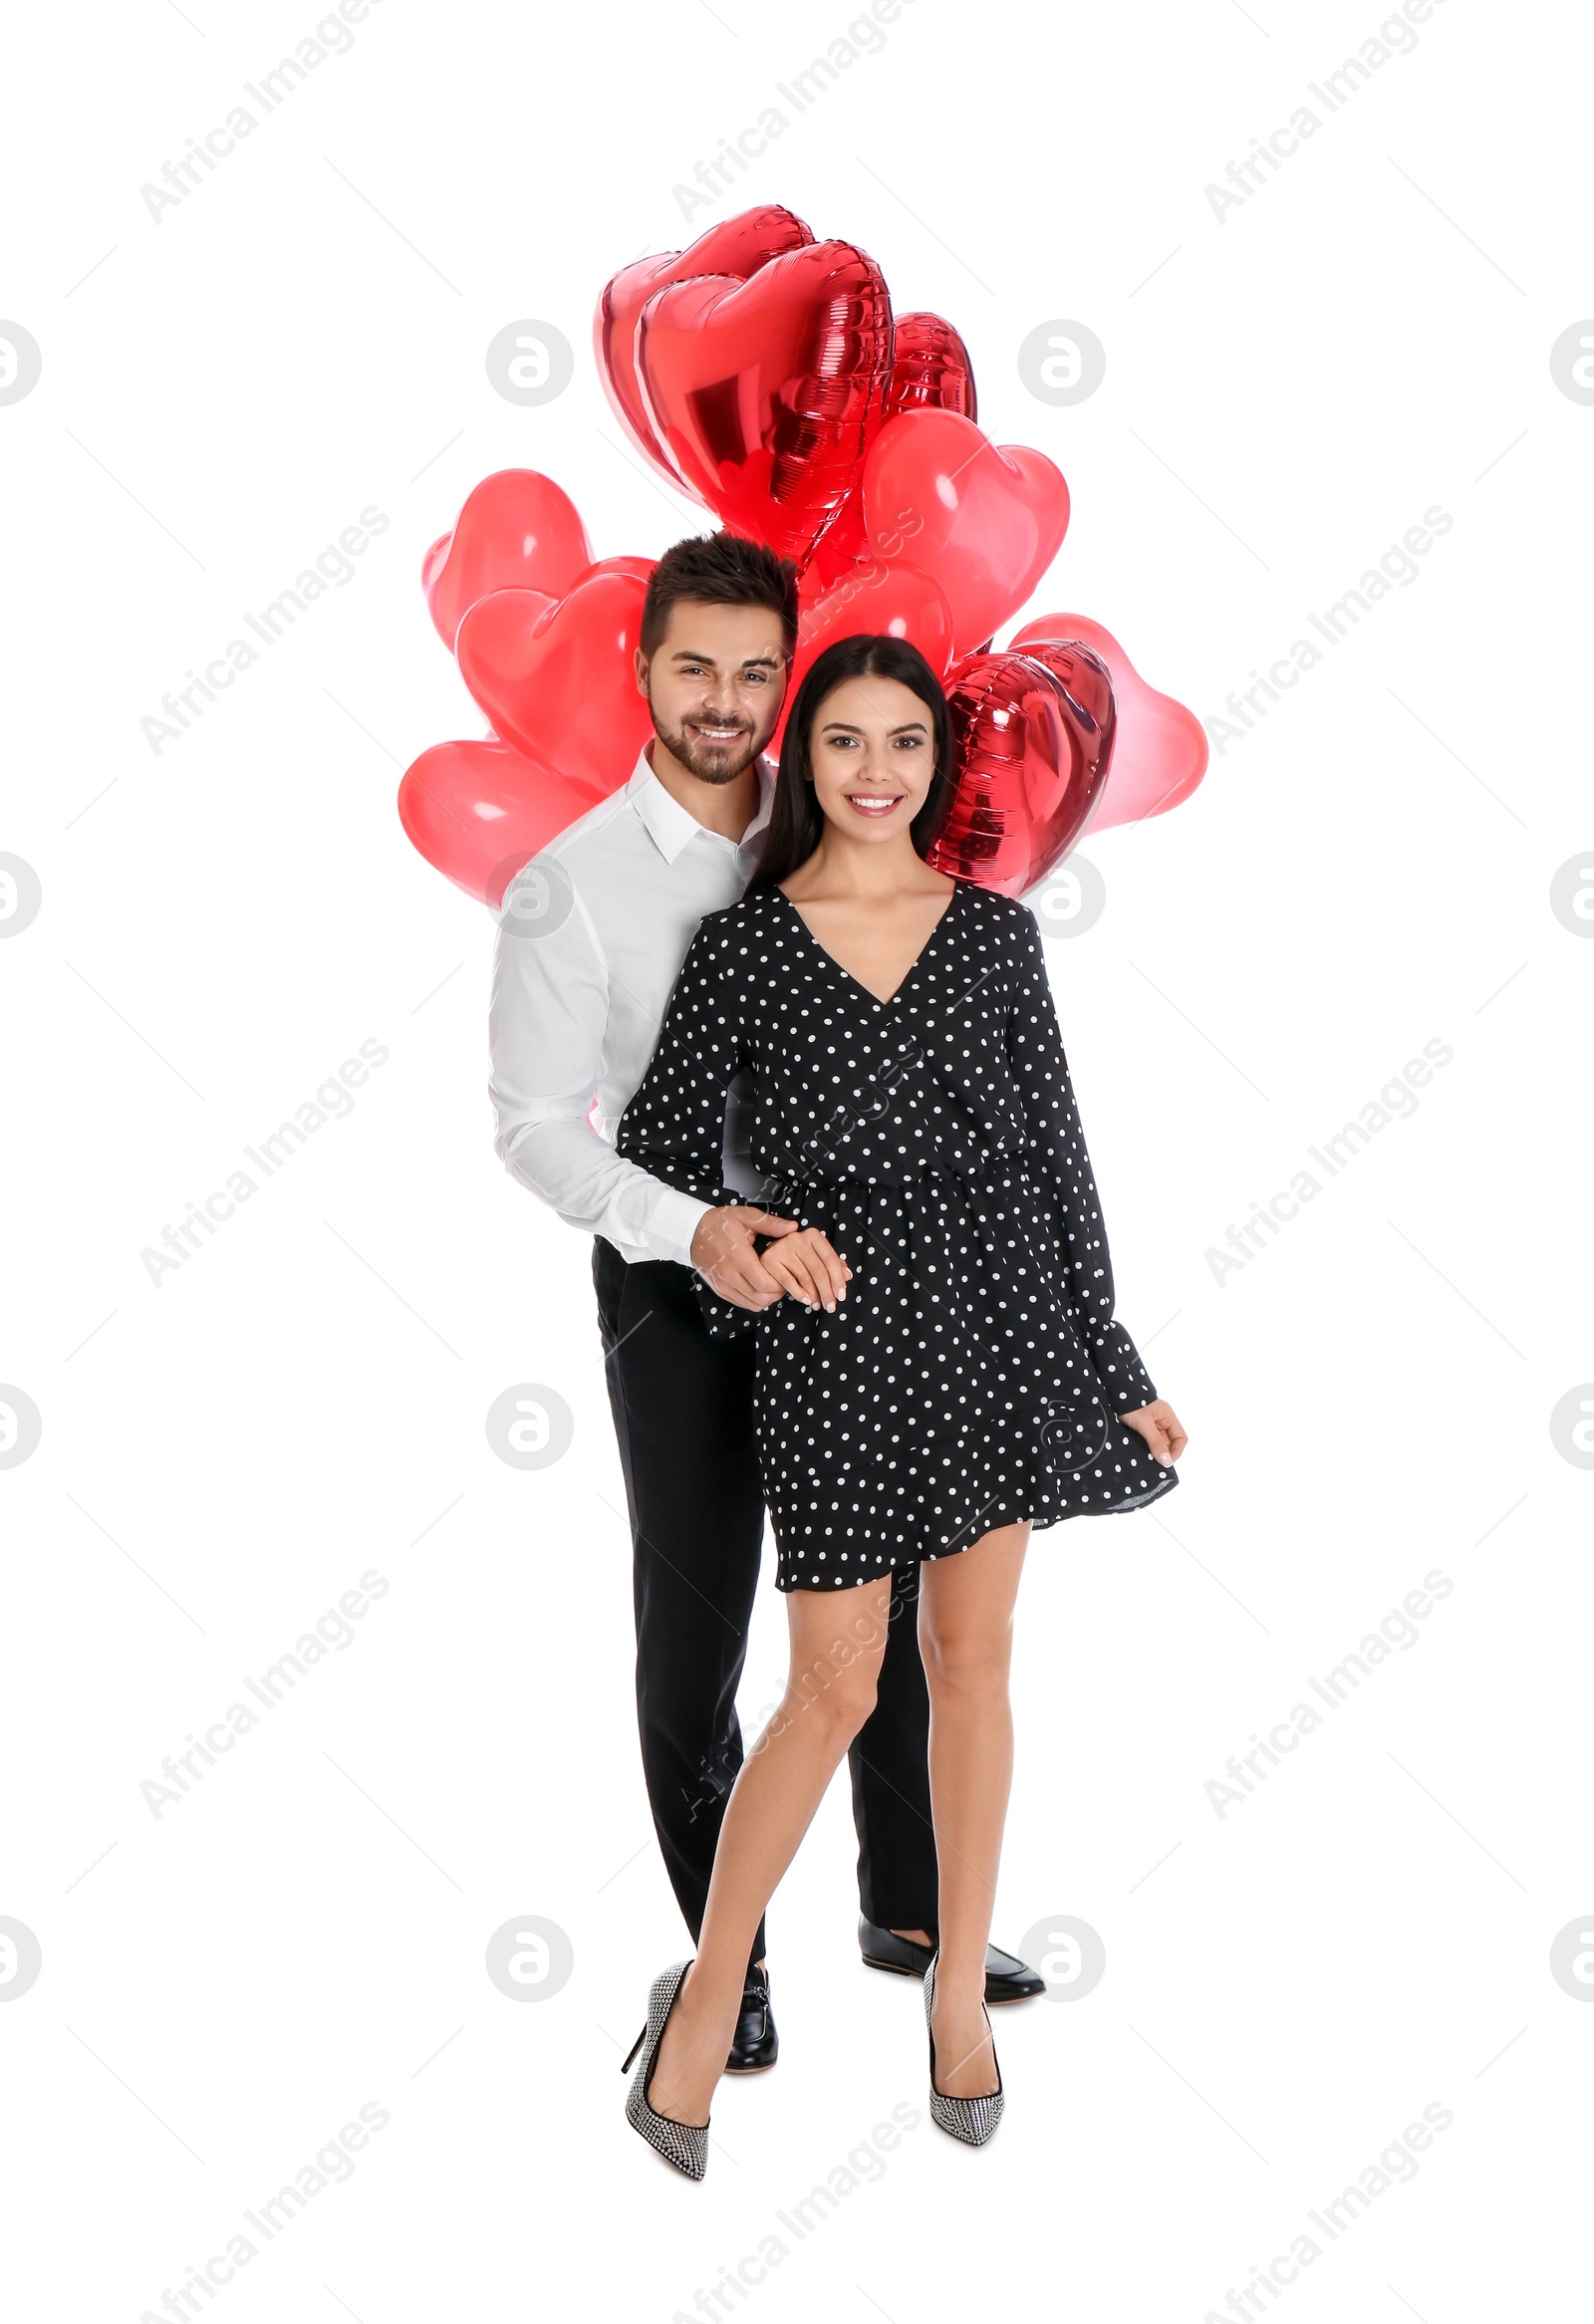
(764, 375)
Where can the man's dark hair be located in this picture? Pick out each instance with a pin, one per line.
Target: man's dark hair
(720, 569)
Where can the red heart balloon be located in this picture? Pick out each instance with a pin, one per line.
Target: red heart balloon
(739, 247)
(930, 370)
(985, 519)
(641, 567)
(1033, 741)
(766, 392)
(872, 601)
(559, 681)
(478, 810)
(516, 530)
(1159, 754)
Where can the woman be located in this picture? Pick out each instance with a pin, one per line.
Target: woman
(942, 1371)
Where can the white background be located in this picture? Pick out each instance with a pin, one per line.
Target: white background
(1367, 869)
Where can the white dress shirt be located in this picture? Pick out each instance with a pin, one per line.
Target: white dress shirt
(590, 938)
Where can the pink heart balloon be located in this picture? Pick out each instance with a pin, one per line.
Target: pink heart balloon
(1160, 753)
(516, 530)
(477, 810)
(985, 520)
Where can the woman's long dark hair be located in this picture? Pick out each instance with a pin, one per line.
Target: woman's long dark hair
(797, 820)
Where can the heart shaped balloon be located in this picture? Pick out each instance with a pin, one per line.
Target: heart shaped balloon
(766, 392)
(985, 519)
(516, 530)
(739, 247)
(930, 371)
(559, 681)
(871, 601)
(640, 568)
(478, 810)
(930, 368)
(1033, 743)
(1159, 754)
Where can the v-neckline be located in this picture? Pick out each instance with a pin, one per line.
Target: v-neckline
(914, 967)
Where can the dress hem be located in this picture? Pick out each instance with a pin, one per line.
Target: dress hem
(989, 1522)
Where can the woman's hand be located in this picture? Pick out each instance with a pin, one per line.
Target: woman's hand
(1159, 1425)
(805, 1265)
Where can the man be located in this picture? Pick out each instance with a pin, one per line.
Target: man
(593, 934)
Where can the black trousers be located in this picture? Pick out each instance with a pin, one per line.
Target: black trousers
(683, 1414)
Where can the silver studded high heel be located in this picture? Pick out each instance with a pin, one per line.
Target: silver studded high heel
(684, 2144)
(973, 2120)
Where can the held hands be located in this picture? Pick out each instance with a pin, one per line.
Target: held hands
(798, 1260)
(806, 1265)
(1158, 1423)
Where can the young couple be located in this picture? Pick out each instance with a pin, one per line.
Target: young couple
(850, 1267)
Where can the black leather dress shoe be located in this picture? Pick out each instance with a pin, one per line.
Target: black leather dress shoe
(1007, 1979)
(756, 2044)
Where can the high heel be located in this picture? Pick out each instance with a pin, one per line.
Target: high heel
(684, 2144)
(973, 2120)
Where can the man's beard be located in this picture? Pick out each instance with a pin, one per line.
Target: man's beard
(721, 765)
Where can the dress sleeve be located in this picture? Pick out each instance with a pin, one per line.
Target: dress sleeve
(675, 1125)
(1054, 1147)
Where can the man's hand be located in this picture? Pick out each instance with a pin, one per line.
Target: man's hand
(1159, 1425)
(722, 1253)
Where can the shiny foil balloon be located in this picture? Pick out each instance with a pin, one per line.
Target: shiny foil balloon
(559, 680)
(1159, 754)
(516, 530)
(766, 392)
(985, 518)
(931, 369)
(738, 247)
(477, 810)
(1033, 745)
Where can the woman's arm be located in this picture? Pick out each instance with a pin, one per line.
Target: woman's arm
(1055, 1150)
(675, 1125)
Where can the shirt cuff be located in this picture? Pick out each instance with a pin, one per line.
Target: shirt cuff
(674, 1223)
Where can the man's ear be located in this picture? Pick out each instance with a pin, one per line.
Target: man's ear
(639, 662)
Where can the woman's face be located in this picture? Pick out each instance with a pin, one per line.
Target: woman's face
(873, 754)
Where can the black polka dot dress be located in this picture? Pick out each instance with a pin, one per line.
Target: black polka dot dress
(974, 1374)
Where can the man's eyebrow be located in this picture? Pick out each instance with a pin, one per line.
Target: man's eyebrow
(710, 661)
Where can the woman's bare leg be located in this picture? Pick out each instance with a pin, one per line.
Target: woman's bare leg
(838, 1639)
(965, 1633)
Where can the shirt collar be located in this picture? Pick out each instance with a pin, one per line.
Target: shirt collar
(671, 828)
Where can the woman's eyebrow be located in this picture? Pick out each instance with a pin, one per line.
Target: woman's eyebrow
(844, 726)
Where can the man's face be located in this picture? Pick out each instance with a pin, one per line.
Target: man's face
(714, 686)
